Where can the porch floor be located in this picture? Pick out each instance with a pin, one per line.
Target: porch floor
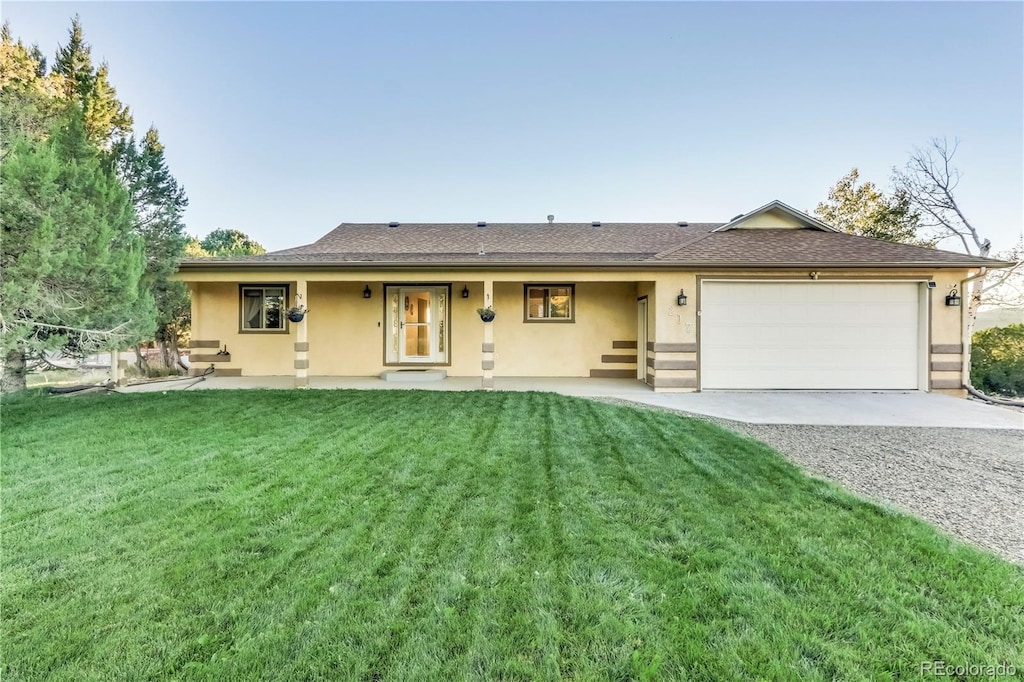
(576, 386)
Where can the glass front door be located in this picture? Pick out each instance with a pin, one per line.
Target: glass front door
(417, 325)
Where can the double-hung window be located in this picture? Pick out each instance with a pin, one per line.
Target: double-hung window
(549, 302)
(263, 308)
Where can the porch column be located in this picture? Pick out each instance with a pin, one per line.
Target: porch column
(115, 365)
(487, 354)
(301, 340)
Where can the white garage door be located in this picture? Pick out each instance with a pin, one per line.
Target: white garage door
(810, 335)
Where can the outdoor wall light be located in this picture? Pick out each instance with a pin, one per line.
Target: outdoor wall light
(681, 298)
(465, 291)
(366, 292)
(953, 299)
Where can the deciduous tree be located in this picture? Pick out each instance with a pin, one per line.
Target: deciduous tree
(930, 180)
(231, 243)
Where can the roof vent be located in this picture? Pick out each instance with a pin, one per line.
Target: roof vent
(551, 218)
(682, 223)
(481, 223)
(737, 217)
(393, 223)
(596, 223)
(481, 252)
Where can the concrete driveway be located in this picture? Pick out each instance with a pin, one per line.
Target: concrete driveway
(839, 408)
(833, 408)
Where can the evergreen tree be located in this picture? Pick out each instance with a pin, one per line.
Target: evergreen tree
(107, 119)
(71, 262)
(867, 211)
(74, 62)
(159, 203)
(27, 96)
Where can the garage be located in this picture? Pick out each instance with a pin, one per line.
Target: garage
(810, 335)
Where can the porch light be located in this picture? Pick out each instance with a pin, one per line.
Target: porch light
(953, 299)
(366, 292)
(681, 298)
(465, 291)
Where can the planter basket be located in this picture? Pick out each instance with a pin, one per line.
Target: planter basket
(296, 315)
(487, 315)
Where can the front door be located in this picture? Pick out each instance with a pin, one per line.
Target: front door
(417, 325)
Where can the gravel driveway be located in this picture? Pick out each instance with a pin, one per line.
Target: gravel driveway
(969, 482)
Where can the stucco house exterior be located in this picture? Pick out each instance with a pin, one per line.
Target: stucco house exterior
(773, 299)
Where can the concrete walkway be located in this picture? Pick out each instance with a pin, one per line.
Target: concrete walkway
(852, 408)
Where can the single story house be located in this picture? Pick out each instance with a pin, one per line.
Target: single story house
(773, 299)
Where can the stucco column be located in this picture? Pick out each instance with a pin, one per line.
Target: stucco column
(301, 339)
(193, 294)
(487, 349)
(115, 366)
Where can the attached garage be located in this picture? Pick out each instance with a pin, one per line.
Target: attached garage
(812, 335)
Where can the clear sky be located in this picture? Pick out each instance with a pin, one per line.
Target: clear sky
(284, 119)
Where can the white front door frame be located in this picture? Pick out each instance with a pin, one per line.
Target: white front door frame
(420, 309)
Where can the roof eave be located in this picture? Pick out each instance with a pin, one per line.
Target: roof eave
(578, 265)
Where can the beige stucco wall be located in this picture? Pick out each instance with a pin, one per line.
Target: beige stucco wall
(769, 220)
(946, 336)
(605, 312)
(346, 331)
(216, 317)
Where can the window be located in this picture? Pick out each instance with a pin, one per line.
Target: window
(549, 302)
(263, 308)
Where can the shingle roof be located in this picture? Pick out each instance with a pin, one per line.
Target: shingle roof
(531, 238)
(584, 244)
(763, 246)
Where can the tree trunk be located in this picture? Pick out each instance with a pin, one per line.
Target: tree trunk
(167, 342)
(972, 297)
(13, 378)
(141, 363)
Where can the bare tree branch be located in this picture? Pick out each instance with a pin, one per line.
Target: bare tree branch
(930, 180)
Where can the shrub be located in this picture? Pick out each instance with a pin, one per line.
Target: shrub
(997, 360)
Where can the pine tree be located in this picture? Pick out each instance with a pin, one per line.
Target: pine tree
(867, 211)
(159, 203)
(71, 262)
(74, 62)
(107, 119)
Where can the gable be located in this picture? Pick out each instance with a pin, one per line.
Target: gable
(775, 216)
(769, 220)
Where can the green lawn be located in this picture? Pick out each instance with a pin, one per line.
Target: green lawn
(427, 535)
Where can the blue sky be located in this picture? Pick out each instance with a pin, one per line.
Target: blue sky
(282, 120)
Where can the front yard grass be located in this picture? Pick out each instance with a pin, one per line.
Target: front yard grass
(427, 535)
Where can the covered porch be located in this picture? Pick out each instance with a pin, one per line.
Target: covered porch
(360, 324)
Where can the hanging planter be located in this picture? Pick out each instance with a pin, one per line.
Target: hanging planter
(486, 314)
(296, 313)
